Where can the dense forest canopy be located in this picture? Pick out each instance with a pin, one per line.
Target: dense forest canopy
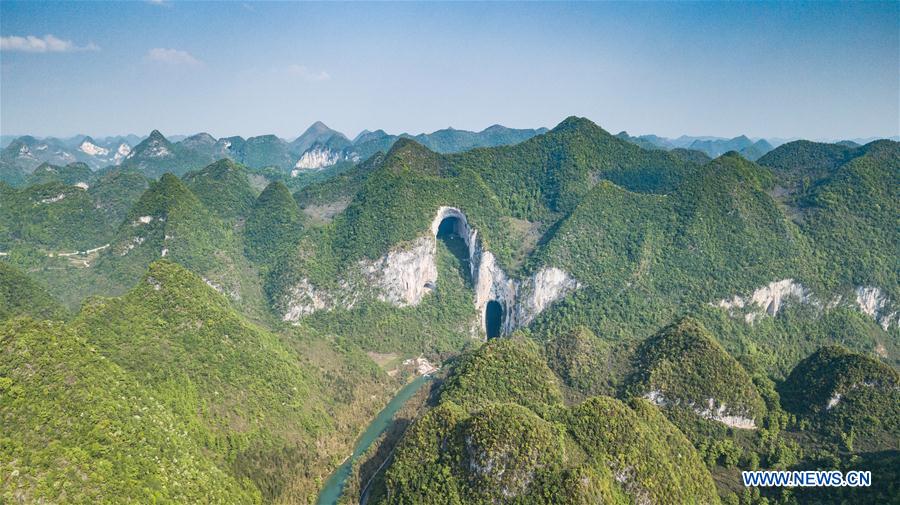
(205, 326)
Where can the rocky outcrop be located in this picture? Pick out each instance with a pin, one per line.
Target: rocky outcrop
(91, 149)
(404, 275)
(870, 300)
(54, 199)
(767, 300)
(522, 300)
(722, 413)
(873, 303)
(303, 299)
(316, 158)
(539, 291)
(719, 415)
(121, 153)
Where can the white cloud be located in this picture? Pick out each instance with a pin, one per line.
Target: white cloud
(303, 72)
(171, 56)
(46, 44)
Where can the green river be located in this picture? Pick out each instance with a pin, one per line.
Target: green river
(334, 486)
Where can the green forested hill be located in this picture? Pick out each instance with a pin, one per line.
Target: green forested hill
(847, 395)
(223, 188)
(852, 220)
(171, 395)
(804, 163)
(170, 221)
(552, 172)
(70, 174)
(540, 179)
(677, 238)
(155, 156)
(684, 367)
(448, 140)
(341, 188)
(237, 386)
(513, 441)
(20, 295)
(11, 174)
(507, 371)
(265, 151)
(691, 279)
(56, 216)
(77, 428)
(273, 226)
(645, 258)
(52, 217)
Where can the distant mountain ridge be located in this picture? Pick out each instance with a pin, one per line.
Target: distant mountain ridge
(318, 147)
(710, 146)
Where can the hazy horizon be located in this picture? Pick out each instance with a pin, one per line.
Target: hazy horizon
(353, 135)
(821, 71)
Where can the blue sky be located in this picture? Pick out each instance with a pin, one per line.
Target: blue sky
(821, 70)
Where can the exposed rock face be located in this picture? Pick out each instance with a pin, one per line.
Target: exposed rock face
(873, 303)
(92, 149)
(521, 300)
(768, 299)
(405, 275)
(316, 158)
(539, 291)
(720, 414)
(304, 299)
(234, 294)
(53, 199)
(121, 153)
(870, 300)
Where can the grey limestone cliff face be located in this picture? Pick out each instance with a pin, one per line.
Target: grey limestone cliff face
(522, 300)
(406, 274)
(714, 410)
(768, 300)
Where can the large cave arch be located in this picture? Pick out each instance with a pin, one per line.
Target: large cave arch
(451, 227)
(493, 319)
(453, 232)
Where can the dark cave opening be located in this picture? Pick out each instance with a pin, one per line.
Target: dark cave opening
(451, 231)
(493, 319)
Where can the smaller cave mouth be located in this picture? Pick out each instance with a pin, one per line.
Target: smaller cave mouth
(493, 319)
